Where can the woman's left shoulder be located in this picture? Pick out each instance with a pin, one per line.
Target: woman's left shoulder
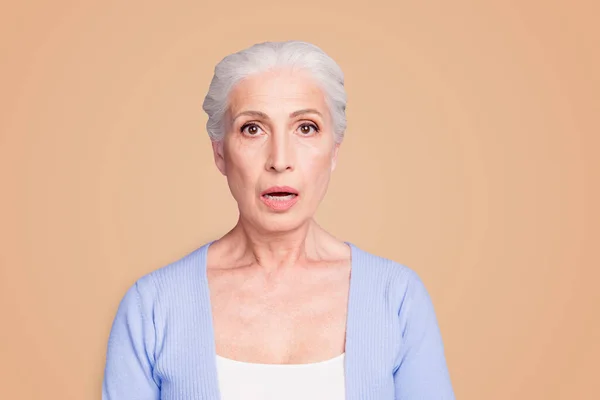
(399, 281)
(381, 267)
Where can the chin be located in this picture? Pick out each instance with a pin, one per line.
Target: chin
(282, 222)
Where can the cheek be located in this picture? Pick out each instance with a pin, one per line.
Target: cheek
(242, 171)
(318, 158)
(318, 169)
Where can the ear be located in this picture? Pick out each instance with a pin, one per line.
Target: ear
(218, 155)
(335, 156)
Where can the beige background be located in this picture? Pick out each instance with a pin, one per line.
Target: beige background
(471, 156)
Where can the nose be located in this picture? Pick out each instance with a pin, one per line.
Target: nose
(281, 154)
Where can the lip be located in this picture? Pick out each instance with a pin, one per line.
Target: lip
(273, 189)
(279, 205)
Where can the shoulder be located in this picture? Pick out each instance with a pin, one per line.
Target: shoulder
(380, 270)
(172, 281)
(186, 268)
(402, 286)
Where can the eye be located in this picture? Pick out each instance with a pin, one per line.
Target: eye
(307, 129)
(251, 129)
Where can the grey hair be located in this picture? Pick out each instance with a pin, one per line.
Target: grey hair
(263, 57)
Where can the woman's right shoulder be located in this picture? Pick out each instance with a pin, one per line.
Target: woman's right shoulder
(175, 281)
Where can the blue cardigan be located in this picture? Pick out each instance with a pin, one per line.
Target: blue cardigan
(161, 344)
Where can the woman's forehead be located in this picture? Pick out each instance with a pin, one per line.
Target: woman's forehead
(280, 89)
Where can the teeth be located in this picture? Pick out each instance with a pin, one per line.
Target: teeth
(281, 198)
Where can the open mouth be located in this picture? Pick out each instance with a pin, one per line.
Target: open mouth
(280, 196)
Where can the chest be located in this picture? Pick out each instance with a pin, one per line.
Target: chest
(186, 361)
(291, 322)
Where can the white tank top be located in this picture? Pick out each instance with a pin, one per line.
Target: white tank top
(251, 381)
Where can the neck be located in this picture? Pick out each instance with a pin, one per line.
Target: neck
(276, 250)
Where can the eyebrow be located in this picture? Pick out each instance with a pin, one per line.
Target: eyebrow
(305, 111)
(262, 115)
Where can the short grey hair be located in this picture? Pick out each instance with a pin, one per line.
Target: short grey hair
(263, 57)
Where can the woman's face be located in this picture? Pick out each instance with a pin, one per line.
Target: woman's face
(279, 133)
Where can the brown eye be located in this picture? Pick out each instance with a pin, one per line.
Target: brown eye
(251, 129)
(308, 129)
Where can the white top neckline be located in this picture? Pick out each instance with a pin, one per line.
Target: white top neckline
(321, 380)
(265, 365)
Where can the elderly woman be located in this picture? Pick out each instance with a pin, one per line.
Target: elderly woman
(277, 308)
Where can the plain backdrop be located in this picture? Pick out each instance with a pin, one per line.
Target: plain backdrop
(471, 156)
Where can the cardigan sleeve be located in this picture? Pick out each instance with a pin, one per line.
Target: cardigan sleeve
(128, 373)
(422, 372)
